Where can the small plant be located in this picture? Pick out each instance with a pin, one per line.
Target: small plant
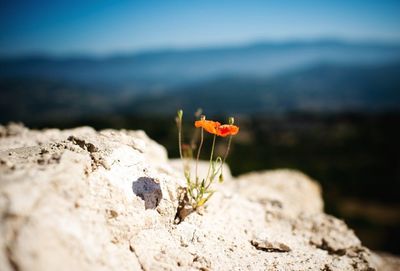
(198, 190)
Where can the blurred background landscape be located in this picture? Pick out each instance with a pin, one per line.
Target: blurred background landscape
(314, 85)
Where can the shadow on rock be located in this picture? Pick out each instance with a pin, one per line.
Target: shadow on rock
(148, 190)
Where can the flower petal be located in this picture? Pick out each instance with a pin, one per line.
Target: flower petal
(208, 125)
(225, 130)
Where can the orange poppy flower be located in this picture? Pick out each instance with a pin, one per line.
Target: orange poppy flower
(208, 125)
(225, 130)
(214, 127)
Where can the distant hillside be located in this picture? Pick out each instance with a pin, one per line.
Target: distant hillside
(45, 100)
(160, 70)
(322, 88)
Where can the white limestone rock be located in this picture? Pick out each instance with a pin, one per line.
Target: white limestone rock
(79, 199)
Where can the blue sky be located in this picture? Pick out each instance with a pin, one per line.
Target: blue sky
(106, 27)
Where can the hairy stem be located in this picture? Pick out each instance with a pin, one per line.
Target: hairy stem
(225, 155)
(227, 149)
(198, 154)
(211, 157)
(180, 138)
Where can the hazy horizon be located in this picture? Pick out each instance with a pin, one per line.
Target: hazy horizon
(244, 44)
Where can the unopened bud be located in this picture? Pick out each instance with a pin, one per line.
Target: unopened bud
(231, 120)
(180, 114)
(198, 112)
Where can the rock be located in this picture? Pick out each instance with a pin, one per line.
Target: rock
(386, 261)
(281, 190)
(80, 199)
(73, 197)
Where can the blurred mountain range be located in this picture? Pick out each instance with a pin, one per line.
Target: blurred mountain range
(323, 75)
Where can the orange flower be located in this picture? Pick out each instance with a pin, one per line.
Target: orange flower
(208, 125)
(227, 129)
(214, 127)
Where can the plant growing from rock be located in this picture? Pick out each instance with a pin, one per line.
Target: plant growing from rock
(198, 190)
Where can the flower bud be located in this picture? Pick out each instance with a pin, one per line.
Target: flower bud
(198, 112)
(231, 120)
(180, 114)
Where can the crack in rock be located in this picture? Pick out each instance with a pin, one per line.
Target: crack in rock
(87, 146)
(324, 245)
(270, 246)
(93, 151)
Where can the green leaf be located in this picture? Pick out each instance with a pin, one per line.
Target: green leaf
(201, 202)
(202, 186)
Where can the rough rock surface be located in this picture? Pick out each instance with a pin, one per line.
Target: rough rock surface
(85, 200)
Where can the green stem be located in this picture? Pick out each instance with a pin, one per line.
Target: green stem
(211, 157)
(227, 149)
(184, 164)
(180, 138)
(223, 161)
(226, 153)
(198, 154)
